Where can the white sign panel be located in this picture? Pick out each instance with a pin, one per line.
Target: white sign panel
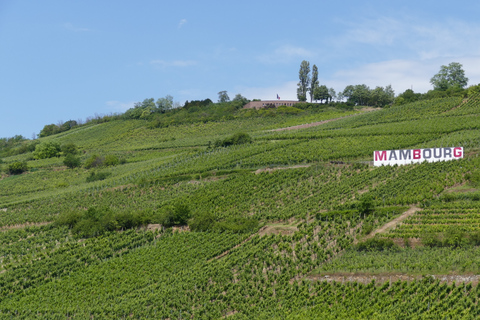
(401, 157)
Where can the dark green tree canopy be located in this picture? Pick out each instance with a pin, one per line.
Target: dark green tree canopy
(449, 76)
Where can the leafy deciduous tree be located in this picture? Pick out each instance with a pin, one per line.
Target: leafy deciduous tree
(46, 150)
(452, 75)
(223, 96)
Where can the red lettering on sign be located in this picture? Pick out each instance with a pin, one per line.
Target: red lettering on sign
(417, 154)
(380, 154)
(457, 152)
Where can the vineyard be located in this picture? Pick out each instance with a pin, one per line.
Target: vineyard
(313, 194)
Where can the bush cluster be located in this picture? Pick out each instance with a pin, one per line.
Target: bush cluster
(98, 220)
(452, 237)
(17, 167)
(47, 150)
(96, 161)
(236, 139)
(205, 221)
(98, 176)
(375, 244)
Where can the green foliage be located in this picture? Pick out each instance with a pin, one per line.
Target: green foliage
(375, 244)
(47, 150)
(223, 97)
(202, 221)
(237, 139)
(17, 167)
(237, 225)
(288, 110)
(98, 220)
(111, 160)
(94, 161)
(364, 96)
(97, 176)
(69, 148)
(52, 129)
(473, 178)
(72, 161)
(281, 180)
(449, 76)
(365, 206)
(304, 77)
(451, 237)
(173, 215)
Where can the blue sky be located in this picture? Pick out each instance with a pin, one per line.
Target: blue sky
(62, 60)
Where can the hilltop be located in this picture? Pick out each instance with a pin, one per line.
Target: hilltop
(224, 214)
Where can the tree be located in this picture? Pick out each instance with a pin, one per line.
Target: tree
(46, 150)
(332, 94)
(48, 130)
(223, 96)
(449, 76)
(164, 104)
(358, 94)
(380, 97)
(304, 76)
(321, 93)
(314, 82)
(71, 161)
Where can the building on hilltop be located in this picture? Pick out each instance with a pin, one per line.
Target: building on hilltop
(270, 104)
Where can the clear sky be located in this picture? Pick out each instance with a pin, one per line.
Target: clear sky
(62, 60)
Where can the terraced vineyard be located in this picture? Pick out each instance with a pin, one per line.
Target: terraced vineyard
(315, 200)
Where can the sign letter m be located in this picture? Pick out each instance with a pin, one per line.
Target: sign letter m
(380, 155)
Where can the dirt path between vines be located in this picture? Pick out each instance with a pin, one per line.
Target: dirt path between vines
(392, 224)
(318, 123)
(223, 254)
(366, 278)
(23, 225)
(265, 230)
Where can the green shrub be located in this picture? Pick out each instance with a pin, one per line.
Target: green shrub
(177, 214)
(69, 148)
(94, 161)
(69, 219)
(236, 139)
(46, 150)
(17, 167)
(365, 206)
(72, 161)
(204, 221)
(375, 244)
(111, 160)
(97, 176)
(98, 220)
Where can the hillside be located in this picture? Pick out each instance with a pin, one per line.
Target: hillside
(272, 221)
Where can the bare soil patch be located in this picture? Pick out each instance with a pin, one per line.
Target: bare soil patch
(278, 229)
(154, 226)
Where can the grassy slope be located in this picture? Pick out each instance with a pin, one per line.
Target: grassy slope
(147, 273)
